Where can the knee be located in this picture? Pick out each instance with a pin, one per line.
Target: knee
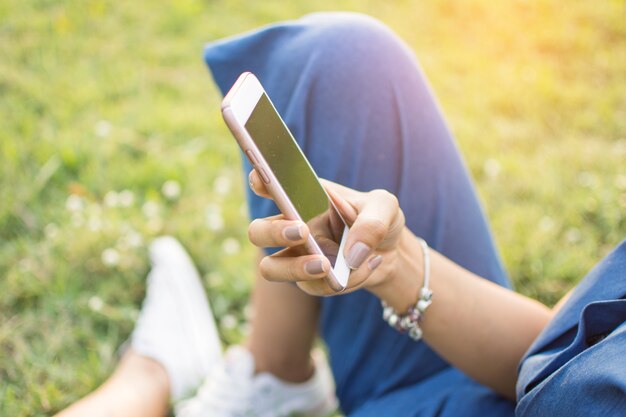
(342, 26)
(357, 38)
(352, 48)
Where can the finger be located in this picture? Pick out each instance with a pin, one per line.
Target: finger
(294, 269)
(339, 195)
(347, 193)
(276, 231)
(257, 185)
(379, 214)
(358, 279)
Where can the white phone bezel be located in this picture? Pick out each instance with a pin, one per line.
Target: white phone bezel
(237, 108)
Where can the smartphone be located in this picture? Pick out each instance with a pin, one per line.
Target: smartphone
(288, 176)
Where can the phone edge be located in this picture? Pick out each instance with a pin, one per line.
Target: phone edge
(281, 199)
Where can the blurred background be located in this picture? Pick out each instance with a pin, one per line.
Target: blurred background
(111, 135)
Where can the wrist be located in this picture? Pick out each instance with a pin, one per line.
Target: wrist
(402, 283)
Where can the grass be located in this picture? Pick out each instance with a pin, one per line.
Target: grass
(111, 135)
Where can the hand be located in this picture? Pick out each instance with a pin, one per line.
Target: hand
(376, 224)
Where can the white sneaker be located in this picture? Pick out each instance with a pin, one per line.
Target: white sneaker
(233, 390)
(175, 326)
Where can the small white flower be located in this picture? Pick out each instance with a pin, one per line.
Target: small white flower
(248, 312)
(215, 222)
(150, 209)
(134, 239)
(130, 239)
(620, 182)
(78, 220)
(620, 147)
(51, 231)
(94, 223)
(110, 257)
(587, 179)
(26, 265)
(112, 199)
(492, 168)
(126, 198)
(546, 223)
(573, 235)
(95, 303)
(222, 185)
(228, 322)
(103, 128)
(74, 203)
(171, 189)
(214, 278)
(231, 246)
(154, 225)
(213, 217)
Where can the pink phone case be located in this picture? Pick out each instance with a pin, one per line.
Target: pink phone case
(271, 183)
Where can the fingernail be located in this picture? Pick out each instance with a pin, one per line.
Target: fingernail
(314, 267)
(293, 232)
(358, 253)
(374, 262)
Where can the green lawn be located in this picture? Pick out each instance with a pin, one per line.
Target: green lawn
(111, 134)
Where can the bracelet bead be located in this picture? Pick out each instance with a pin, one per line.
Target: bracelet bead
(410, 321)
(415, 333)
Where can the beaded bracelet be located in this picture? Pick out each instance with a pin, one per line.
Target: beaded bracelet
(410, 321)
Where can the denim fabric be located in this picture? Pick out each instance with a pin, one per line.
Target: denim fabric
(359, 106)
(577, 365)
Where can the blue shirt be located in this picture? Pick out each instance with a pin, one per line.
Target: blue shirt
(577, 365)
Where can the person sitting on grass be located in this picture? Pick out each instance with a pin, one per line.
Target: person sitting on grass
(358, 104)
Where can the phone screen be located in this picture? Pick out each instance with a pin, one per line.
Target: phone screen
(296, 176)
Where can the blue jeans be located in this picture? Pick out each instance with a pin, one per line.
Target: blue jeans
(359, 106)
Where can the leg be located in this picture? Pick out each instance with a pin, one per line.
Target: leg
(139, 387)
(461, 397)
(283, 330)
(173, 347)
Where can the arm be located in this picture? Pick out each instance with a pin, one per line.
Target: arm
(479, 327)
